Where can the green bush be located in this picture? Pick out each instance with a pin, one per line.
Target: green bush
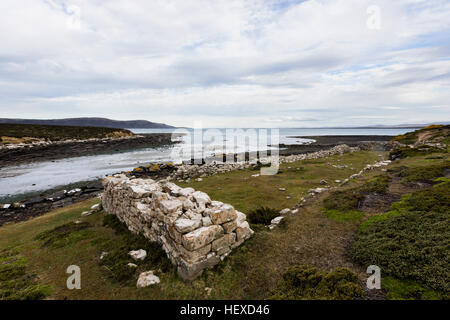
(305, 282)
(262, 215)
(412, 241)
(405, 152)
(425, 173)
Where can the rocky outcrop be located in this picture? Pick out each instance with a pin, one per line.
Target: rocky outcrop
(195, 232)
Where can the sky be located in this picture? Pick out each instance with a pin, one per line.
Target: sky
(227, 63)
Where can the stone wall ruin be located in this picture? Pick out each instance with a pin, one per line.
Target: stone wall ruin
(195, 232)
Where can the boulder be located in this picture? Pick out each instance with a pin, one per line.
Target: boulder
(201, 198)
(206, 221)
(147, 279)
(226, 241)
(229, 227)
(96, 207)
(201, 237)
(243, 232)
(172, 188)
(170, 206)
(241, 217)
(276, 220)
(140, 254)
(188, 204)
(187, 225)
(223, 214)
(185, 192)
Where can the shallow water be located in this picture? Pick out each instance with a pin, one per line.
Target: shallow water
(39, 176)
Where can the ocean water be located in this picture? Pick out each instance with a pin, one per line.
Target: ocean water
(199, 143)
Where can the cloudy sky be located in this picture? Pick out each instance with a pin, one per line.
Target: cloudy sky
(227, 63)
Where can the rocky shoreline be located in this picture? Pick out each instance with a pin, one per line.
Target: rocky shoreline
(23, 154)
(326, 142)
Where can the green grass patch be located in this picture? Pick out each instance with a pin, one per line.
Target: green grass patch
(378, 184)
(305, 282)
(15, 282)
(409, 290)
(344, 216)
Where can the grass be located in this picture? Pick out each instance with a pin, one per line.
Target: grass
(56, 133)
(415, 235)
(344, 216)
(247, 193)
(345, 205)
(15, 282)
(252, 271)
(408, 290)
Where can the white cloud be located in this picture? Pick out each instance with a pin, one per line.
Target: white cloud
(228, 63)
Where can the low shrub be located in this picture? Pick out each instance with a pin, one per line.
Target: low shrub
(424, 173)
(64, 235)
(262, 215)
(411, 242)
(305, 282)
(405, 152)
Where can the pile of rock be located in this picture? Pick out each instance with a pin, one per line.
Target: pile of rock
(339, 149)
(195, 232)
(187, 171)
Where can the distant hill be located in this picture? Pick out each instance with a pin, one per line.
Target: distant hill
(91, 122)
